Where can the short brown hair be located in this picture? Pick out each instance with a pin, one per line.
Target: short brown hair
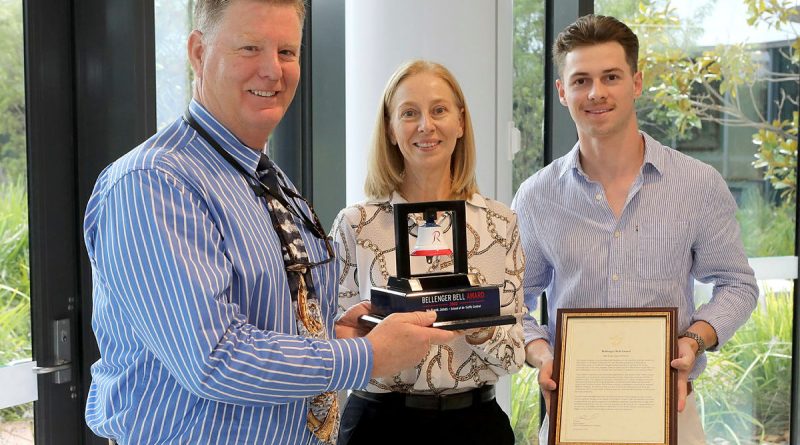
(385, 165)
(594, 29)
(208, 13)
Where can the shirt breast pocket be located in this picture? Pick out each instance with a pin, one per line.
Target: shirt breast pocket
(662, 249)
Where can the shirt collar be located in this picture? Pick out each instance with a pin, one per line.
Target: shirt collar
(571, 161)
(244, 155)
(653, 155)
(476, 200)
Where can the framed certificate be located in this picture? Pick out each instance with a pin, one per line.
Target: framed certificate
(615, 383)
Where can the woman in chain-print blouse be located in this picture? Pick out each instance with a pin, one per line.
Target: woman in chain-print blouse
(423, 150)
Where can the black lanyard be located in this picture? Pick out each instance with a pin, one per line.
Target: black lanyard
(259, 187)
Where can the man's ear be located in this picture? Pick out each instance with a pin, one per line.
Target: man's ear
(196, 50)
(638, 79)
(561, 93)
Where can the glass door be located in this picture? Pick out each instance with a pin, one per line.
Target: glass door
(39, 397)
(19, 382)
(528, 105)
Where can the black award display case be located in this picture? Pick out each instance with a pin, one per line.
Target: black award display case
(459, 300)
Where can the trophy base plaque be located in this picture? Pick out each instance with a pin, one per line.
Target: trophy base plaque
(458, 302)
(453, 325)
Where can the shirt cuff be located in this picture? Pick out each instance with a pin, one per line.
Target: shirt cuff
(352, 363)
(534, 331)
(721, 325)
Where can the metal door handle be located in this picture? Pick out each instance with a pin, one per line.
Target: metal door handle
(62, 355)
(50, 369)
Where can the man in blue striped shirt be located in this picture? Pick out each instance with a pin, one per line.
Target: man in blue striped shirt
(193, 311)
(623, 221)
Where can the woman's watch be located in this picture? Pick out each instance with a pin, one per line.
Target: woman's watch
(701, 344)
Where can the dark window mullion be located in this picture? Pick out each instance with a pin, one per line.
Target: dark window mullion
(53, 216)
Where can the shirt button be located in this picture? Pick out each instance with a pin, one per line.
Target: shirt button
(598, 197)
(615, 277)
(617, 234)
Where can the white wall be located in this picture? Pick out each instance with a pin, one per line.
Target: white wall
(460, 34)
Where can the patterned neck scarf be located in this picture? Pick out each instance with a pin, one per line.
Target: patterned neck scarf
(323, 417)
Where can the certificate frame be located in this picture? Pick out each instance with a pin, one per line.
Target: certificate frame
(635, 345)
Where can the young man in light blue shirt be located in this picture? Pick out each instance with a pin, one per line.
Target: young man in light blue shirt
(623, 221)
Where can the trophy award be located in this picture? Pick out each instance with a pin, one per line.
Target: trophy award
(459, 300)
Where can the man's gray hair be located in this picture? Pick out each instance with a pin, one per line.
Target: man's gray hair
(208, 13)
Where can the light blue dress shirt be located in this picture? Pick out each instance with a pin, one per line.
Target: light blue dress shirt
(678, 225)
(192, 310)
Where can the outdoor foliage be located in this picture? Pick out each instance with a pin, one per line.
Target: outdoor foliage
(14, 282)
(15, 302)
(525, 406)
(12, 92)
(528, 112)
(688, 86)
(777, 155)
(745, 393)
(528, 95)
(767, 229)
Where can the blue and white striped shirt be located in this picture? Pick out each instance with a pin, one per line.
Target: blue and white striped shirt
(192, 310)
(678, 225)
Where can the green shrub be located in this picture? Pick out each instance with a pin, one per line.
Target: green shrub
(745, 393)
(15, 302)
(14, 274)
(767, 229)
(525, 406)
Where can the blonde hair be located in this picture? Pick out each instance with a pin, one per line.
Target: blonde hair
(385, 164)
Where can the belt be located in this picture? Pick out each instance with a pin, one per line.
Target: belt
(443, 402)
